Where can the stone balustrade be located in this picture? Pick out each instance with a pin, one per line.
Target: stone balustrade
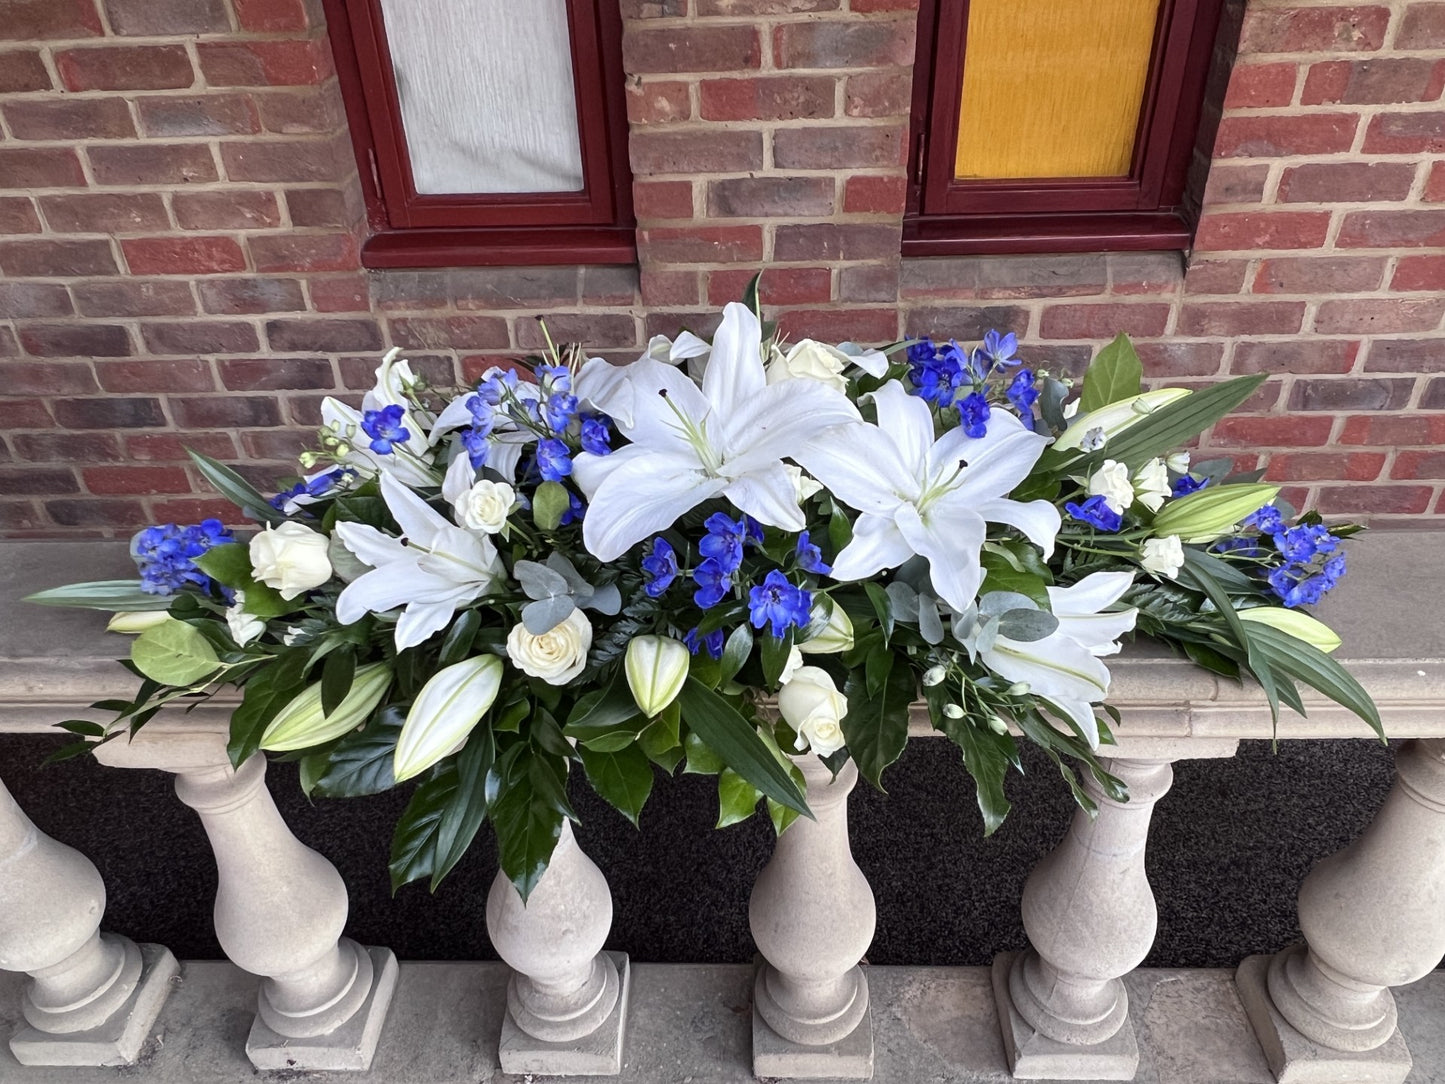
(1355, 1001)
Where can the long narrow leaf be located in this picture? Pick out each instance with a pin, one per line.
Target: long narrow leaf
(1196, 565)
(236, 489)
(725, 731)
(101, 595)
(1309, 664)
(1174, 423)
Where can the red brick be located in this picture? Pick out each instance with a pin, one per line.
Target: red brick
(76, 340)
(27, 299)
(778, 285)
(111, 412)
(1351, 393)
(152, 163)
(41, 167)
(307, 111)
(1273, 136)
(1325, 467)
(167, 18)
(1394, 132)
(829, 241)
(44, 378)
(329, 336)
(33, 20)
(304, 252)
(1241, 318)
(616, 285)
(1343, 182)
(1435, 183)
(67, 447)
(1209, 277)
(294, 62)
(1103, 321)
(105, 212)
(701, 244)
(871, 195)
(1434, 396)
(55, 259)
(408, 291)
(1320, 275)
(1235, 183)
(653, 200)
(1176, 358)
(1272, 431)
(736, 8)
(1373, 82)
(91, 512)
(17, 215)
(1419, 464)
(286, 160)
(182, 255)
(200, 337)
(153, 447)
(37, 482)
(691, 49)
(322, 207)
(1255, 86)
(851, 43)
(234, 297)
(668, 289)
(193, 510)
(339, 293)
(1394, 430)
(125, 67)
(110, 481)
(1378, 316)
(85, 118)
(233, 210)
(1358, 499)
(449, 332)
(593, 330)
(1406, 356)
(655, 102)
(966, 323)
(885, 93)
(869, 282)
(359, 373)
(514, 287)
(210, 114)
(653, 9)
(1324, 29)
(281, 444)
(1391, 229)
(770, 197)
(692, 153)
(134, 297)
(273, 374)
(1422, 27)
(854, 324)
(1252, 230)
(838, 147)
(1295, 356)
(22, 70)
(226, 411)
(1420, 273)
(272, 16)
(155, 375)
(774, 97)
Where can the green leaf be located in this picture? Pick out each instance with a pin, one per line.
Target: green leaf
(230, 564)
(112, 595)
(264, 695)
(877, 726)
(775, 655)
(1197, 568)
(443, 817)
(361, 762)
(1000, 575)
(735, 654)
(1309, 664)
(549, 505)
(623, 779)
(1174, 423)
(174, 653)
(986, 755)
(1115, 373)
(733, 738)
(236, 489)
(528, 827)
(700, 759)
(413, 844)
(464, 814)
(750, 296)
(82, 728)
(336, 674)
(737, 799)
(457, 644)
(882, 606)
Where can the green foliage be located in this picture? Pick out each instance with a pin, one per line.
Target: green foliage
(1115, 373)
(174, 653)
(723, 728)
(112, 595)
(876, 725)
(236, 489)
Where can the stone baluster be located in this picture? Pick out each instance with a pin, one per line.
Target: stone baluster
(93, 996)
(567, 998)
(1372, 917)
(280, 910)
(810, 997)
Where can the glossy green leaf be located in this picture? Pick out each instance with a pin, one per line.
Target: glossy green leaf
(336, 674)
(174, 653)
(876, 726)
(528, 826)
(263, 696)
(361, 763)
(623, 779)
(737, 799)
(733, 738)
(1115, 373)
(236, 489)
(986, 756)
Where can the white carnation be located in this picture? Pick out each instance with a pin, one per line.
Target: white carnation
(1111, 481)
(1162, 556)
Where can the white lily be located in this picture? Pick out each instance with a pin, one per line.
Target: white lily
(506, 441)
(727, 438)
(431, 570)
(444, 714)
(1064, 666)
(928, 497)
(409, 460)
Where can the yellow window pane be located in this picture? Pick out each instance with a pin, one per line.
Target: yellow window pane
(1053, 88)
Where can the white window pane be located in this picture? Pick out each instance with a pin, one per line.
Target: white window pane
(486, 94)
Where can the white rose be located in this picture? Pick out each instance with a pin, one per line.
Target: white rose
(484, 507)
(791, 667)
(1151, 484)
(244, 627)
(1111, 481)
(812, 705)
(1163, 556)
(290, 558)
(558, 655)
(809, 360)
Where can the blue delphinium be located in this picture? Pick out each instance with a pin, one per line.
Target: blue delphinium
(1096, 513)
(496, 387)
(1300, 545)
(166, 555)
(779, 604)
(555, 377)
(711, 642)
(660, 567)
(474, 441)
(1186, 484)
(1297, 586)
(596, 434)
(575, 512)
(1312, 565)
(713, 582)
(1023, 394)
(316, 487)
(1266, 520)
(554, 462)
(996, 352)
(560, 409)
(973, 412)
(724, 540)
(384, 428)
(810, 557)
(937, 377)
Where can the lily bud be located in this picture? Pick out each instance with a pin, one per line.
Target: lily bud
(1212, 513)
(953, 711)
(934, 675)
(656, 667)
(1299, 625)
(836, 636)
(1116, 417)
(135, 621)
(301, 724)
(444, 713)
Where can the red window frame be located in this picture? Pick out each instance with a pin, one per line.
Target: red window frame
(411, 229)
(1147, 209)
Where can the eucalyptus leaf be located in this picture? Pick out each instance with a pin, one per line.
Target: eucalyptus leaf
(538, 581)
(174, 653)
(545, 614)
(930, 624)
(1027, 626)
(606, 599)
(998, 603)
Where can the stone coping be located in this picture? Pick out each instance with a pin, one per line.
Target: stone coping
(1390, 611)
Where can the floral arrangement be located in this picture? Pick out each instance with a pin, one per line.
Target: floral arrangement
(719, 557)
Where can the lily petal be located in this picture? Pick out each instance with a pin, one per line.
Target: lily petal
(861, 465)
(419, 522)
(645, 495)
(375, 548)
(768, 495)
(1091, 594)
(908, 421)
(950, 535)
(421, 619)
(1038, 520)
(735, 373)
(1055, 667)
(877, 544)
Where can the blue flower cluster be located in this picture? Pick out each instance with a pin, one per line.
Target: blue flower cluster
(1096, 513)
(385, 429)
(1314, 562)
(779, 604)
(946, 375)
(317, 487)
(166, 555)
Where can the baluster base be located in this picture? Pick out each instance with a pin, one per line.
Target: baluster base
(1032, 1056)
(598, 1053)
(1295, 1059)
(118, 1041)
(350, 1046)
(850, 1058)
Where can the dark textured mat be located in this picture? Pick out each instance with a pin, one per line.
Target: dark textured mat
(1229, 846)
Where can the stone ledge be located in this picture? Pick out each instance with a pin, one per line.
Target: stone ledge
(932, 1025)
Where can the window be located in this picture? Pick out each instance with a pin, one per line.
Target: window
(1055, 125)
(487, 131)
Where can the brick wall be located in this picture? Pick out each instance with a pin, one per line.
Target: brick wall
(180, 221)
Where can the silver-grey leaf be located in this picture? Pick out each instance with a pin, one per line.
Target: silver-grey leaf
(1000, 602)
(605, 600)
(539, 581)
(564, 568)
(544, 615)
(1027, 625)
(930, 625)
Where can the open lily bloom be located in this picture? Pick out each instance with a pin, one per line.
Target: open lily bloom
(507, 440)
(933, 498)
(434, 568)
(726, 439)
(1064, 667)
(409, 459)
